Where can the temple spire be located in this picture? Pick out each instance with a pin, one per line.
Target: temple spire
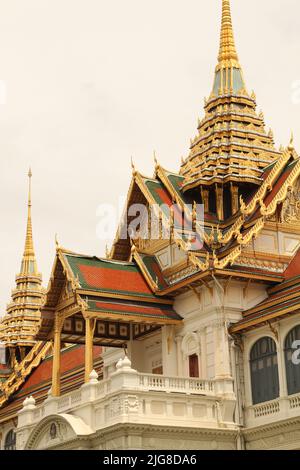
(231, 149)
(19, 326)
(29, 262)
(227, 55)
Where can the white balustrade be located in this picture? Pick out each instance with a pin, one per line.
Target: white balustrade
(294, 401)
(145, 383)
(266, 409)
(271, 411)
(176, 384)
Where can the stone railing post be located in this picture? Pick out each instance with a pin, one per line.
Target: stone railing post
(50, 404)
(89, 389)
(125, 377)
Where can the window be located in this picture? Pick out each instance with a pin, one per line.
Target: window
(194, 365)
(292, 369)
(264, 371)
(10, 440)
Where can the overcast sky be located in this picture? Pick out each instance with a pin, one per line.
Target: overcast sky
(92, 82)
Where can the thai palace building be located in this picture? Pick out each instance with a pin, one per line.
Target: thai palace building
(177, 341)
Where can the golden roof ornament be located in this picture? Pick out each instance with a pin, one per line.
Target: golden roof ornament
(57, 245)
(291, 144)
(134, 172)
(155, 160)
(107, 252)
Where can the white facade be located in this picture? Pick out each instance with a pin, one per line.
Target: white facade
(132, 408)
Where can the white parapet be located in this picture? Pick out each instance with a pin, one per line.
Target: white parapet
(273, 411)
(132, 397)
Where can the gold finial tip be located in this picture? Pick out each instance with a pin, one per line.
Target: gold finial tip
(291, 144)
(107, 251)
(57, 242)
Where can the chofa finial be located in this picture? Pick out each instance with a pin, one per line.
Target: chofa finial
(155, 159)
(291, 144)
(57, 242)
(133, 167)
(107, 252)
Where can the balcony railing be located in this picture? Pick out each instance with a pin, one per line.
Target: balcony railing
(176, 384)
(128, 396)
(275, 410)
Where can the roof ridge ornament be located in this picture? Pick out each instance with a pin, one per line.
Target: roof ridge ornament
(134, 171)
(291, 143)
(58, 247)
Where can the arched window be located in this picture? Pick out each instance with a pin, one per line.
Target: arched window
(291, 359)
(264, 371)
(10, 440)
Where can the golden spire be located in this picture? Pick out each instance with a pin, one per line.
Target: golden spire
(29, 251)
(29, 263)
(23, 312)
(227, 55)
(235, 160)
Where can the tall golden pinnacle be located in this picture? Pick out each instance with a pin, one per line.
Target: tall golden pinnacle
(29, 256)
(227, 55)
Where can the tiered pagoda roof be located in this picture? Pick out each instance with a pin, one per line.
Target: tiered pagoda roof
(232, 145)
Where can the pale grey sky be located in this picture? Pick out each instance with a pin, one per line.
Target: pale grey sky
(92, 82)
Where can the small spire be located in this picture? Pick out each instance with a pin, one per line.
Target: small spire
(227, 54)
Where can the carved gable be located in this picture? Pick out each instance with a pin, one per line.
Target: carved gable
(291, 206)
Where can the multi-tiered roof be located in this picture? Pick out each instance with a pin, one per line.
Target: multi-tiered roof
(232, 146)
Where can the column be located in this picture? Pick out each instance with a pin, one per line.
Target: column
(281, 363)
(219, 202)
(89, 336)
(178, 340)
(169, 353)
(58, 322)
(234, 198)
(205, 199)
(202, 336)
